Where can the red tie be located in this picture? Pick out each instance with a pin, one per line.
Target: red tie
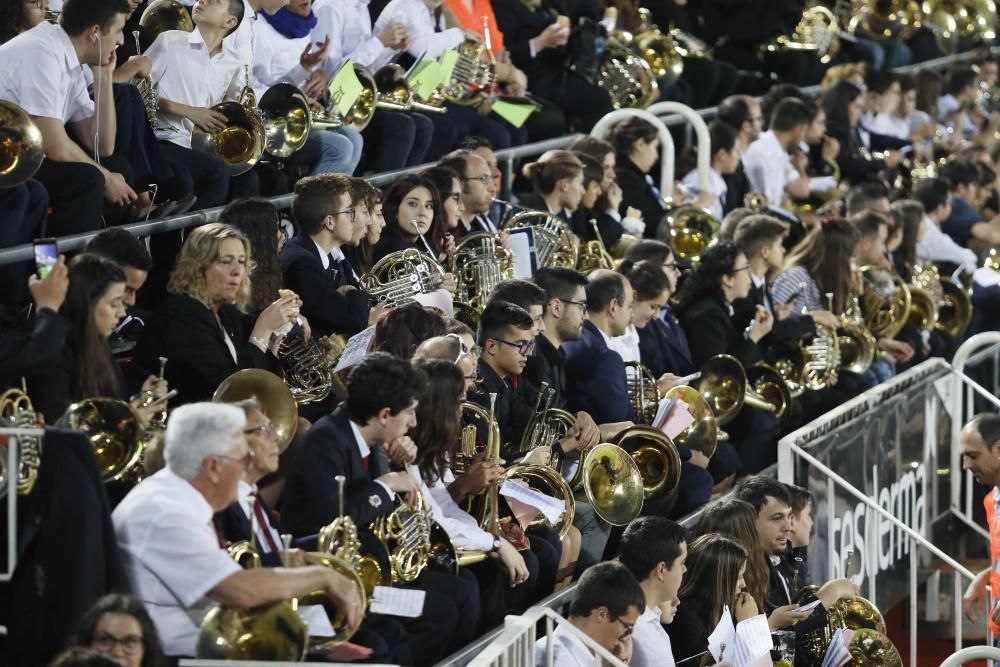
(364, 462)
(264, 524)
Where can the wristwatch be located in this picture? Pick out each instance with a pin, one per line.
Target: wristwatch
(496, 545)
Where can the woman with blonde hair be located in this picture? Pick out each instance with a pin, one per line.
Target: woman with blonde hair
(201, 329)
(557, 180)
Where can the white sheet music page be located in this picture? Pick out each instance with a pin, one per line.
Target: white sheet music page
(551, 508)
(356, 349)
(397, 601)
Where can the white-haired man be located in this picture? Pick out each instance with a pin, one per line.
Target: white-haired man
(171, 551)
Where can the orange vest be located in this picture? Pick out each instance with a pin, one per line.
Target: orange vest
(991, 518)
(473, 19)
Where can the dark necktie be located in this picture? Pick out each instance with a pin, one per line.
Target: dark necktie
(763, 297)
(263, 524)
(677, 335)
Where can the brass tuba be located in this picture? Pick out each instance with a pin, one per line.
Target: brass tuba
(162, 15)
(858, 614)
(274, 397)
(399, 276)
(287, 120)
(241, 143)
(479, 263)
(115, 431)
(21, 150)
(656, 459)
(16, 411)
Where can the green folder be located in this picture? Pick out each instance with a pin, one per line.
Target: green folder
(345, 88)
(515, 113)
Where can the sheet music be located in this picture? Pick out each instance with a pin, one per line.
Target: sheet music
(722, 637)
(397, 601)
(356, 349)
(551, 508)
(316, 620)
(521, 242)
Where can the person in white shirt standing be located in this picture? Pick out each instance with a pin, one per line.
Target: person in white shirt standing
(606, 606)
(42, 71)
(774, 164)
(654, 549)
(283, 53)
(172, 554)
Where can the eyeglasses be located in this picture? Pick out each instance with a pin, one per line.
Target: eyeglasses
(464, 349)
(485, 179)
(348, 211)
(742, 268)
(106, 643)
(629, 627)
(582, 304)
(244, 461)
(267, 428)
(525, 347)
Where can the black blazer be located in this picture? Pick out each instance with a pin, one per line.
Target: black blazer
(53, 385)
(186, 332)
(689, 631)
(595, 378)
(23, 351)
(327, 310)
(793, 327)
(234, 526)
(660, 352)
(519, 25)
(637, 193)
(610, 229)
(853, 167)
(310, 499)
(513, 408)
(737, 187)
(711, 332)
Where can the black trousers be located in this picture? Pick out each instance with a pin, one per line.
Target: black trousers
(450, 616)
(200, 173)
(755, 434)
(136, 143)
(394, 140)
(445, 136)
(710, 81)
(76, 196)
(497, 596)
(547, 548)
(471, 123)
(23, 214)
(582, 101)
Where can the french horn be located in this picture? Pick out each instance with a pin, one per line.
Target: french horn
(16, 411)
(626, 76)
(114, 430)
(858, 346)
(287, 120)
(643, 391)
(271, 632)
(479, 263)
(400, 276)
(241, 143)
(554, 245)
(474, 75)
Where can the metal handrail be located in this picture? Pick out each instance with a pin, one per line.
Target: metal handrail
(972, 653)
(700, 129)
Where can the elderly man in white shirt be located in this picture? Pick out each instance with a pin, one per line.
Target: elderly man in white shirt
(170, 549)
(283, 53)
(606, 606)
(768, 161)
(42, 70)
(397, 139)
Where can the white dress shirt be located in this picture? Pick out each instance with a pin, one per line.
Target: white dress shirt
(171, 555)
(247, 502)
(349, 27)
(462, 528)
(948, 104)
(716, 185)
(936, 246)
(650, 642)
(889, 125)
(758, 282)
(420, 26)
(185, 73)
(366, 451)
(276, 58)
(769, 168)
(627, 345)
(41, 73)
(567, 650)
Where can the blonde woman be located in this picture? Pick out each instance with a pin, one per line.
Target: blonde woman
(557, 178)
(201, 328)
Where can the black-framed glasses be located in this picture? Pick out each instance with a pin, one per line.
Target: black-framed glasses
(267, 428)
(629, 627)
(742, 268)
(106, 643)
(485, 179)
(525, 347)
(582, 304)
(350, 212)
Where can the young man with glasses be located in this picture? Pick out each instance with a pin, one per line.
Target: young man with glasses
(313, 260)
(606, 606)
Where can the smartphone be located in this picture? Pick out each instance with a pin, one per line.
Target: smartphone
(46, 256)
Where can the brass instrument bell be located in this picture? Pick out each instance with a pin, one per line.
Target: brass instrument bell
(703, 434)
(162, 15)
(692, 229)
(114, 430)
(612, 484)
(275, 399)
(21, 149)
(723, 384)
(655, 457)
(287, 120)
(273, 631)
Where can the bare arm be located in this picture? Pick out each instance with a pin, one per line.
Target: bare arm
(104, 120)
(987, 232)
(799, 188)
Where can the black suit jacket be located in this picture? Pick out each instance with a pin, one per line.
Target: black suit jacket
(661, 353)
(185, 332)
(793, 327)
(519, 24)
(54, 383)
(327, 310)
(595, 378)
(310, 499)
(512, 410)
(737, 187)
(23, 351)
(637, 194)
(711, 332)
(234, 525)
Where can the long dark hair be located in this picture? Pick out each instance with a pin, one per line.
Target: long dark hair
(404, 328)
(835, 103)
(705, 282)
(438, 417)
(390, 211)
(713, 568)
(258, 220)
(12, 19)
(908, 213)
(90, 276)
(825, 253)
(115, 603)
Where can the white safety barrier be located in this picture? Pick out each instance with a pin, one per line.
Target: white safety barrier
(972, 653)
(666, 142)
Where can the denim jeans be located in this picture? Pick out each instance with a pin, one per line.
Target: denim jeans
(339, 151)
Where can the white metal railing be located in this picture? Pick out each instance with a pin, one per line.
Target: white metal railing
(972, 653)
(515, 645)
(666, 142)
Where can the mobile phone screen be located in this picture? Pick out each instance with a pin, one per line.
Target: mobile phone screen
(46, 255)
